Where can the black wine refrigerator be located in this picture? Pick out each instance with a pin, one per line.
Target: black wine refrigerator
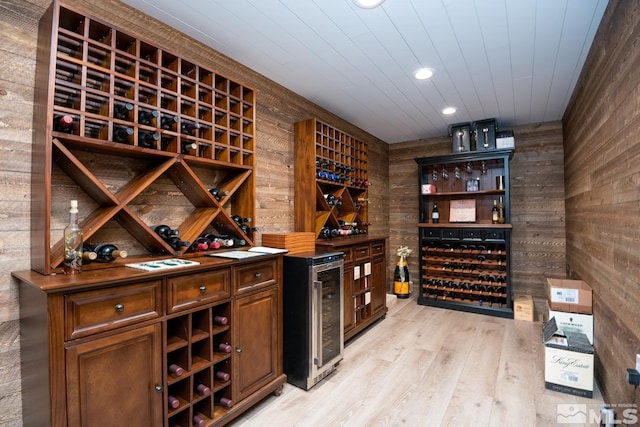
(313, 316)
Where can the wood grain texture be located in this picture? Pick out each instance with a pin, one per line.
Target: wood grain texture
(484, 372)
(602, 154)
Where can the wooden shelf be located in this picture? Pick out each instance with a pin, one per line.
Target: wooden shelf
(152, 132)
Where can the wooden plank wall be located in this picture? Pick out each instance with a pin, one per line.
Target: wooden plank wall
(277, 110)
(537, 204)
(602, 169)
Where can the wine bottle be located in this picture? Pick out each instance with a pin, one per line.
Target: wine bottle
(88, 255)
(173, 402)
(325, 233)
(63, 123)
(189, 148)
(214, 242)
(240, 220)
(225, 241)
(501, 218)
(176, 243)
(165, 231)
(148, 139)
(203, 390)
(222, 376)
(146, 116)
(122, 111)
(200, 244)
(239, 242)
(72, 263)
(167, 122)
(347, 223)
(198, 421)
(122, 134)
(220, 320)
(222, 347)
(107, 252)
(175, 370)
(217, 193)
(188, 127)
(223, 401)
(495, 216)
(435, 215)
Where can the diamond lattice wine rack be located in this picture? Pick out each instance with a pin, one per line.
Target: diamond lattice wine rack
(151, 134)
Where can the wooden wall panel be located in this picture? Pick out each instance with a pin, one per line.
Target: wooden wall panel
(602, 169)
(537, 204)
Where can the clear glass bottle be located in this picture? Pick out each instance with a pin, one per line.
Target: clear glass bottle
(72, 263)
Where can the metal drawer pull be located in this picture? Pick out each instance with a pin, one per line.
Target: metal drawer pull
(258, 275)
(238, 350)
(159, 388)
(203, 289)
(120, 308)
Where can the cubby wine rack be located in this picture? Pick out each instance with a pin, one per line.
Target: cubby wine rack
(151, 133)
(331, 181)
(191, 341)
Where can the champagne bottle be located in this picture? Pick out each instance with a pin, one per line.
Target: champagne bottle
(122, 111)
(107, 252)
(72, 263)
(165, 231)
(222, 347)
(122, 134)
(222, 376)
(220, 320)
(435, 215)
(175, 370)
(223, 401)
(203, 390)
(173, 402)
(63, 123)
(495, 216)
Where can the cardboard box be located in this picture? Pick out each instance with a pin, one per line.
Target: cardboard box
(523, 308)
(573, 296)
(568, 361)
(574, 322)
(428, 189)
(295, 242)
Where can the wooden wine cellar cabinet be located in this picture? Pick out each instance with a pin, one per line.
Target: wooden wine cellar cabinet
(176, 130)
(465, 258)
(101, 350)
(331, 190)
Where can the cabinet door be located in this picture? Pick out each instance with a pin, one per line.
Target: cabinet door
(112, 381)
(378, 284)
(257, 329)
(349, 307)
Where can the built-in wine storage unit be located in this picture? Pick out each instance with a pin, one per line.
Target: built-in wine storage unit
(331, 181)
(198, 361)
(139, 136)
(465, 252)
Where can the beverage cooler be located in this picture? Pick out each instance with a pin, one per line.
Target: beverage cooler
(313, 316)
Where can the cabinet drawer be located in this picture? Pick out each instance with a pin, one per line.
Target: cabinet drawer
(498, 235)
(91, 312)
(377, 249)
(472, 235)
(361, 253)
(254, 276)
(348, 254)
(448, 234)
(197, 289)
(431, 233)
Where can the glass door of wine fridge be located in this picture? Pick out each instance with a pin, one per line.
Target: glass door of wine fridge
(328, 303)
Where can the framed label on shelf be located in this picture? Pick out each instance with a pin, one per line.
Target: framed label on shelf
(462, 210)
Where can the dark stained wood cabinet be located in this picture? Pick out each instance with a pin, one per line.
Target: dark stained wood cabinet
(98, 346)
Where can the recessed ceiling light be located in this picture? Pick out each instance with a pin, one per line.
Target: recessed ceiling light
(423, 74)
(368, 4)
(448, 111)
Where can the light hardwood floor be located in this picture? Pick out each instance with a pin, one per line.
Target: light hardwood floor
(425, 366)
